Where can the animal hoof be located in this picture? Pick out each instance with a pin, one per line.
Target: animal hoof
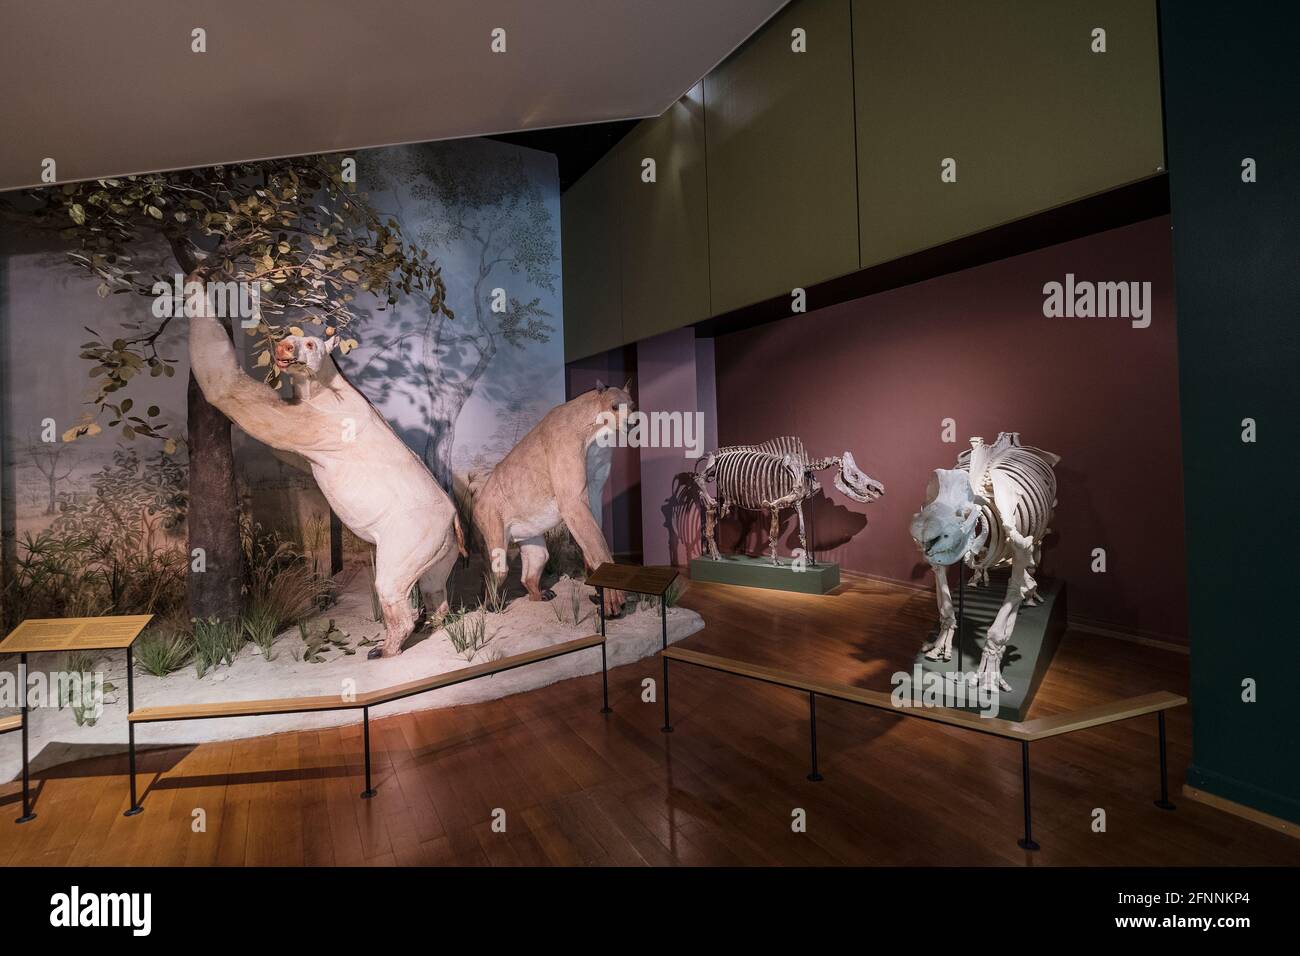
(374, 653)
(932, 654)
(548, 595)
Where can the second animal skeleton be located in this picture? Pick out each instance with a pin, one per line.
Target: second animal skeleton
(771, 476)
(992, 510)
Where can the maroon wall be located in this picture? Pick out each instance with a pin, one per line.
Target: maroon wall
(878, 375)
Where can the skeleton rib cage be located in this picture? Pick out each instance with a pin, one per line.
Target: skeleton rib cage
(1030, 472)
(756, 479)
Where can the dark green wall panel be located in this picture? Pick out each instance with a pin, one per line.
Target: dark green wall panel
(1231, 88)
(1009, 89)
(589, 229)
(665, 232)
(782, 186)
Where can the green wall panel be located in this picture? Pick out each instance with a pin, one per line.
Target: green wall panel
(1231, 90)
(1011, 90)
(589, 230)
(781, 183)
(665, 230)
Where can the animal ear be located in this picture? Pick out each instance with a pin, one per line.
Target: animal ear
(932, 488)
(600, 386)
(331, 344)
(627, 386)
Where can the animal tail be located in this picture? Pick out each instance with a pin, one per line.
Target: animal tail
(460, 536)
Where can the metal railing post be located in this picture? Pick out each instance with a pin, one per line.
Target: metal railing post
(1163, 803)
(130, 733)
(369, 792)
(28, 815)
(1028, 842)
(663, 618)
(812, 731)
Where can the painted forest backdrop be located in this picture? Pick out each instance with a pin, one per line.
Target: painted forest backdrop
(441, 263)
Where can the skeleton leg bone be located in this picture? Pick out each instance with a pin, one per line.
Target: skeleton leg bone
(942, 647)
(1000, 631)
(774, 529)
(803, 537)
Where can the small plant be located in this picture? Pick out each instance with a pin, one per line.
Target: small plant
(467, 632)
(216, 642)
(570, 611)
(80, 690)
(494, 593)
(576, 601)
(261, 624)
(164, 651)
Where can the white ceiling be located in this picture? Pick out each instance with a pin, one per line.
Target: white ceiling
(110, 89)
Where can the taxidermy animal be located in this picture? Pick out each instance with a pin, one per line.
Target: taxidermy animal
(992, 510)
(769, 477)
(543, 482)
(377, 486)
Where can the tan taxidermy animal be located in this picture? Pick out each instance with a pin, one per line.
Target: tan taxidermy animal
(543, 483)
(377, 486)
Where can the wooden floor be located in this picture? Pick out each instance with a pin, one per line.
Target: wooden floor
(580, 788)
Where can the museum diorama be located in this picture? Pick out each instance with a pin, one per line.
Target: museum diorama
(814, 447)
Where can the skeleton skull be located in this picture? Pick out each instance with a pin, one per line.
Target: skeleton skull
(946, 529)
(301, 355)
(855, 484)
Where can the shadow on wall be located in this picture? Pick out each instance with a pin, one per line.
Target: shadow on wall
(684, 520)
(829, 524)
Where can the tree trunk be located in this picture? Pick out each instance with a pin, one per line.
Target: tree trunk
(53, 494)
(213, 515)
(442, 439)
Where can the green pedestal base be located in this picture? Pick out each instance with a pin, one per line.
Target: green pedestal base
(1034, 642)
(751, 572)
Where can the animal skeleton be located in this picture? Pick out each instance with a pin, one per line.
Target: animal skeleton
(992, 510)
(771, 476)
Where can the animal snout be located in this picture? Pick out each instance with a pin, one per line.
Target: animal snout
(931, 542)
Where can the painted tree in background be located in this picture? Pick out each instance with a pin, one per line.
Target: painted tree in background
(467, 194)
(54, 464)
(294, 227)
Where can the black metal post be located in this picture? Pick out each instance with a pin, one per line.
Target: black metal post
(369, 792)
(130, 732)
(663, 619)
(1163, 803)
(27, 783)
(604, 664)
(812, 558)
(812, 731)
(1028, 842)
(961, 611)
